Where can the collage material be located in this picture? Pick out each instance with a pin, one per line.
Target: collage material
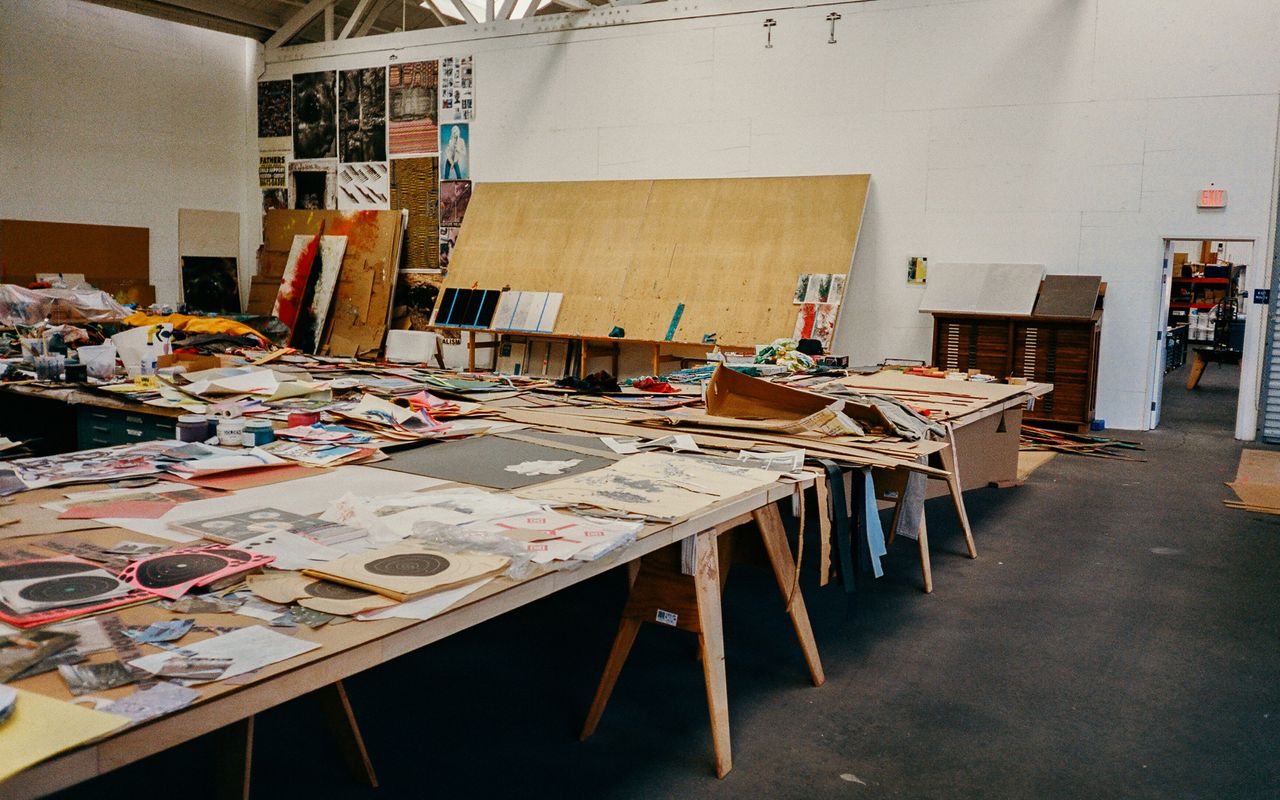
(454, 197)
(412, 90)
(457, 89)
(313, 185)
(362, 115)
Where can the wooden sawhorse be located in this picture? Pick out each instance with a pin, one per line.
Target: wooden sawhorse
(680, 587)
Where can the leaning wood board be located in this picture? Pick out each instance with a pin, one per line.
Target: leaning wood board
(628, 253)
(362, 299)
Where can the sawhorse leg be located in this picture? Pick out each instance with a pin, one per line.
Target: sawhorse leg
(687, 596)
(234, 745)
(952, 465)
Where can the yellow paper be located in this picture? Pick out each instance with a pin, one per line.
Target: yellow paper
(41, 727)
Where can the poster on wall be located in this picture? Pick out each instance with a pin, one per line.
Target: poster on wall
(411, 107)
(313, 185)
(454, 197)
(364, 186)
(448, 238)
(271, 171)
(455, 164)
(315, 122)
(274, 109)
(413, 188)
(457, 90)
(362, 115)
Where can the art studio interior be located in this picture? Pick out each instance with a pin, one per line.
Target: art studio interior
(639, 398)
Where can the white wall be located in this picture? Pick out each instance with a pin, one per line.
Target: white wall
(1075, 133)
(113, 118)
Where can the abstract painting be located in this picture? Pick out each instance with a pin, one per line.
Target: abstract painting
(412, 114)
(273, 109)
(362, 114)
(211, 283)
(315, 123)
(306, 287)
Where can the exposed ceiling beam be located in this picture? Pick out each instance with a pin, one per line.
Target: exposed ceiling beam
(441, 17)
(372, 19)
(231, 12)
(508, 6)
(464, 11)
(576, 5)
(354, 19)
(298, 21)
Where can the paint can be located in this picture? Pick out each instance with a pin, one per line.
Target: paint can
(258, 432)
(192, 428)
(231, 432)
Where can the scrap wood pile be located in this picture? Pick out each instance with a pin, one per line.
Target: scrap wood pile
(1078, 444)
(1257, 483)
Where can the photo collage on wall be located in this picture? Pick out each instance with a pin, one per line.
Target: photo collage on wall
(382, 137)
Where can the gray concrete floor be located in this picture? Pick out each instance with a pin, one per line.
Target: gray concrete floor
(1117, 637)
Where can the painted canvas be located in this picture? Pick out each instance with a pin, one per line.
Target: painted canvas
(306, 288)
(412, 117)
(313, 185)
(454, 147)
(363, 187)
(362, 114)
(413, 188)
(816, 321)
(454, 197)
(315, 123)
(457, 89)
(211, 283)
(274, 106)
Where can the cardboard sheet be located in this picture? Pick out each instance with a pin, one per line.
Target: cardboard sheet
(1070, 296)
(983, 288)
(483, 461)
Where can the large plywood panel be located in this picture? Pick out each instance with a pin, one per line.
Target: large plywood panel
(628, 253)
(1009, 289)
(208, 233)
(109, 252)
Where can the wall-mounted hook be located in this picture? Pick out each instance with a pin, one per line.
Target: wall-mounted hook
(832, 17)
(768, 31)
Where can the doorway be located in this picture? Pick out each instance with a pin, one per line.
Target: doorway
(1203, 364)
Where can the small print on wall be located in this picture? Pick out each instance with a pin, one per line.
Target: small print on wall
(362, 115)
(313, 185)
(315, 126)
(274, 107)
(275, 199)
(448, 238)
(457, 90)
(454, 197)
(411, 109)
(271, 170)
(454, 148)
(364, 186)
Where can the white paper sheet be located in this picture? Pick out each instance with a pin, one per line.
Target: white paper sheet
(426, 607)
(250, 648)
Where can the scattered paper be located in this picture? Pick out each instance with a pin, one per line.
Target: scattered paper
(249, 648)
(40, 727)
(789, 462)
(290, 550)
(87, 678)
(154, 701)
(543, 467)
(426, 607)
(165, 631)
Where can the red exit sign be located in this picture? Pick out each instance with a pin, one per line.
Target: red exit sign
(1213, 198)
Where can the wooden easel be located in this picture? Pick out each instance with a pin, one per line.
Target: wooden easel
(234, 744)
(679, 586)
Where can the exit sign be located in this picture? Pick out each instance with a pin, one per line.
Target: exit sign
(1213, 198)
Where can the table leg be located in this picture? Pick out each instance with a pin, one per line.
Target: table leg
(926, 570)
(706, 581)
(952, 465)
(233, 746)
(342, 722)
(627, 631)
(1198, 363)
(471, 351)
(774, 537)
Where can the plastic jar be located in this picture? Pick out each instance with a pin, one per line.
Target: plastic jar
(193, 428)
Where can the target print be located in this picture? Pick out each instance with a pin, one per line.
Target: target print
(417, 565)
(334, 591)
(30, 570)
(158, 573)
(69, 590)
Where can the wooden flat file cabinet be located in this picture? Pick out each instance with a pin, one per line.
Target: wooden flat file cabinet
(1058, 350)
